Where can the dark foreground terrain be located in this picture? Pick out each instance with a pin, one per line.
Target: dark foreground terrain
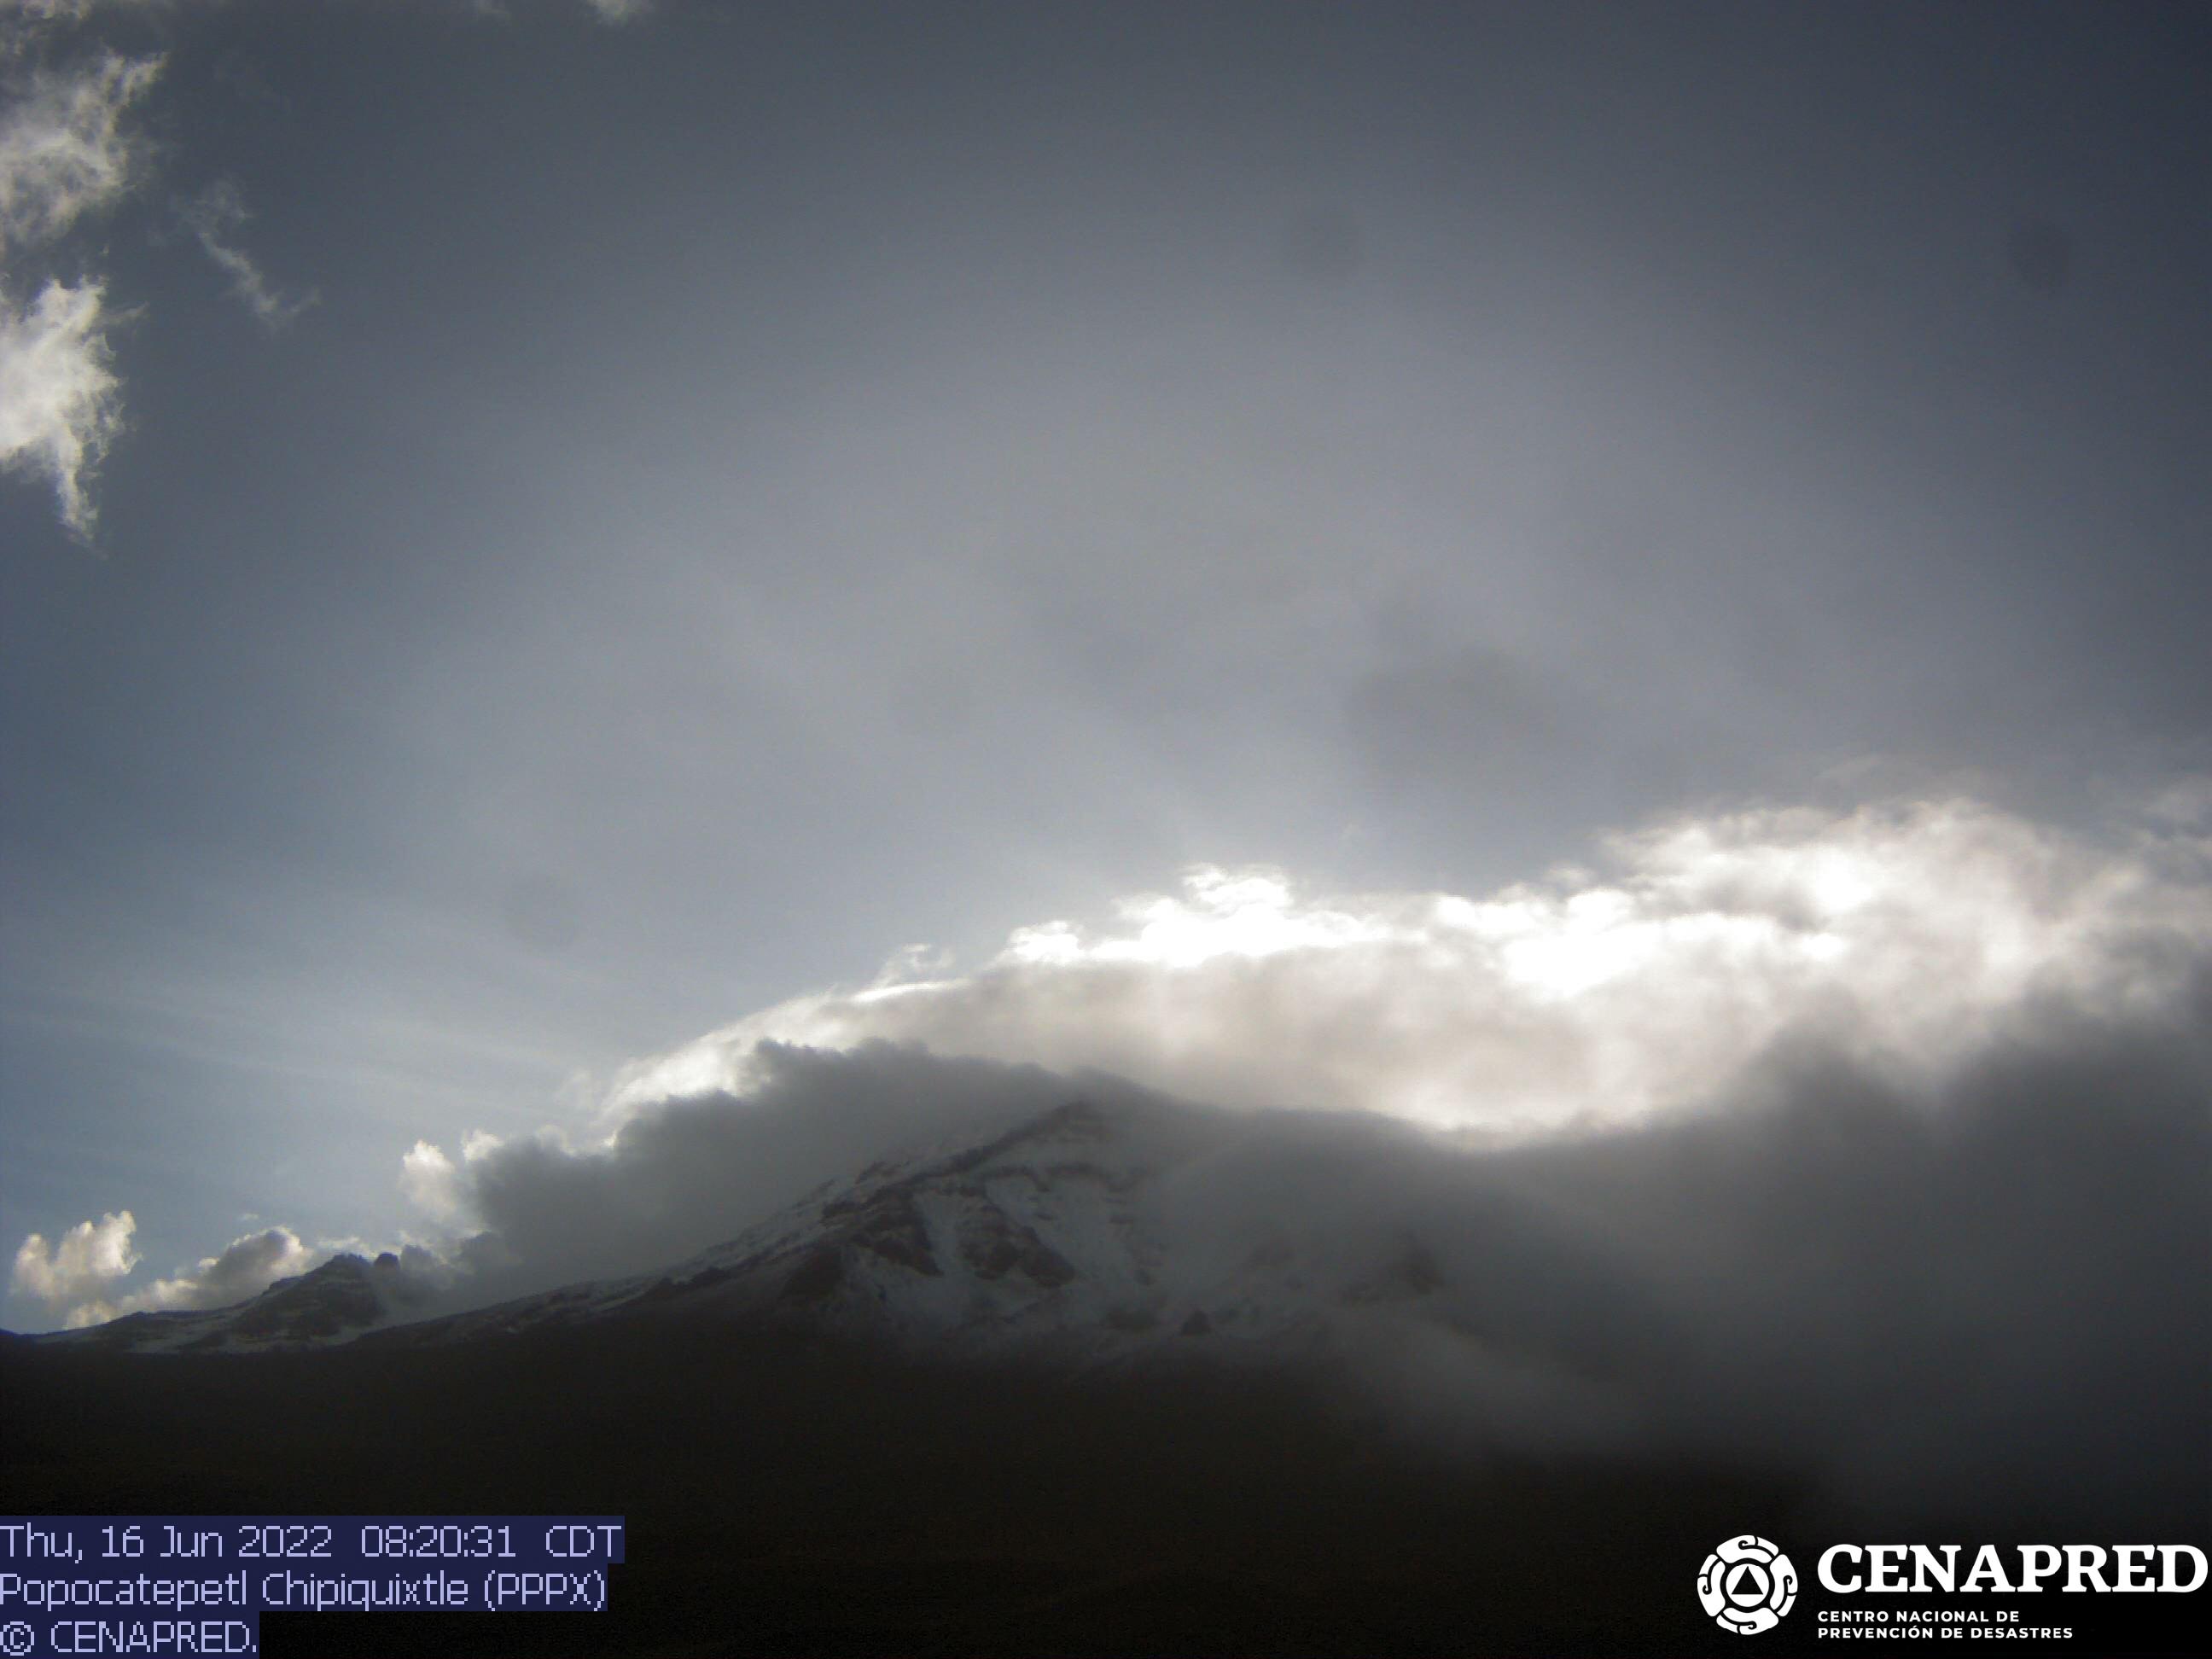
(788, 1496)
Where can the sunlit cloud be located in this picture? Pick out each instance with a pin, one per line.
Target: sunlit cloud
(60, 402)
(1907, 931)
(73, 1273)
(1907, 940)
(65, 149)
(1697, 1107)
(434, 1185)
(79, 1278)
(65, 152)
(428, 1179)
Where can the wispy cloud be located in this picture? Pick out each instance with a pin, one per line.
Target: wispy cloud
(22, 18)
(214, 217)
(60, 402)
(68, 151)
(64, 147)
(65, 152)
(607, 11)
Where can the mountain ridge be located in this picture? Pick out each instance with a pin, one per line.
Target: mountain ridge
(334, 1301)
(1057, 1235)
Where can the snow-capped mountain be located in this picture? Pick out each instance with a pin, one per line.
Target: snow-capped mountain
(1090, 1232)
(1096, 1233)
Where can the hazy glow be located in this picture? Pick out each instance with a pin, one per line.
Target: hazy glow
(1247, 914)
(430, 1183)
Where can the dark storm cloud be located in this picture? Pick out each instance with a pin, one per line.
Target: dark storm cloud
(1993, 1283)
(1992, 1287)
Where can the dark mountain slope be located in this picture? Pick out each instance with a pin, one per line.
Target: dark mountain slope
(787, 1495)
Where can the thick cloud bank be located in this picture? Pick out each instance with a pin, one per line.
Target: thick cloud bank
(1908, 942)
(1993, 1293)
(1906, 934)
(1877, 1146)
(690, 1173)
(1982, 1291)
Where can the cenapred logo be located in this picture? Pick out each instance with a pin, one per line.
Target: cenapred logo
(1746, 1585)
